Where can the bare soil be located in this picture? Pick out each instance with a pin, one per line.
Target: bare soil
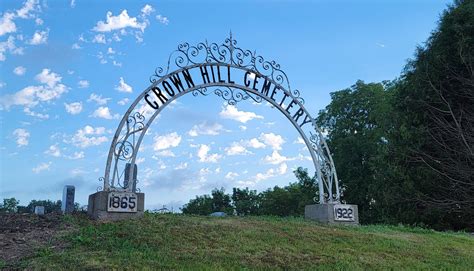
(22, 234)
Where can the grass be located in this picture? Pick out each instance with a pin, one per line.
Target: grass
(207, 243)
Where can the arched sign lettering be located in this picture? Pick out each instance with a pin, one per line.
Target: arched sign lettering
(235, 75)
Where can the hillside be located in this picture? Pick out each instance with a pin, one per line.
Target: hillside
(187, 242)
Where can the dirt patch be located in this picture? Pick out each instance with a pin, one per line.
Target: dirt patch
(21, 234)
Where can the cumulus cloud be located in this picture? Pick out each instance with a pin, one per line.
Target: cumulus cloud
(20, 70)
(89, 136)
(9, 46)
(31, 113)
(76, 155)
(73, 108)
(231, 175)
(206, 129)
(231, 112)
(53, 150)
(98, 99)
(162, 19)
(32, 95)
(22, 137)
(104, 113)
(147, 10)
(275, 158)
(272, 140)
(236, 148)
(163, 142)
(123, 87)
(124, 101)
(7, 24)
(121, 21)
(39, 37)
(42, 167)
(204, 156)
(83, 84)
(99, 38)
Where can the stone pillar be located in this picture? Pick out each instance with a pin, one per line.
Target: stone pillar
(112, 206)
(333, 213)
(67, 204)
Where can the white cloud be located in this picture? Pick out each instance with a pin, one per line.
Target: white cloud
(7, 25)
(98, 99)
(83, 84)
(124, 101)
(20, 70)
(32, 95)
(299, 140)
(31, 113)
(231, 112)
(231, 175)
(147, 10)
(89, 136)
(99, 38)
(120, 21)
(2, 84)
(275, 158)
(162, 19)
(243, 127)
(22, 137)
(166, 141)
(110, 51)
(182, 165)
(73, 108)
(38, 21)
(76, 46)
(104, 113)
(165, 153)
(26, 11)
(118, 64)
(206, 129)
(76, 155)
(9, 46)
(123, 87)
(42, 167)
(236, 148)
(204, 156)
(254, 143)
(53, 150)
(273, 140)
(39, 37)
(73, 3)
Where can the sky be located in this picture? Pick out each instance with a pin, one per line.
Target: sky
(69, 70)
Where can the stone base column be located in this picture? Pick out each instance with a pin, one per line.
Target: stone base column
(99, 201)
(333, 213)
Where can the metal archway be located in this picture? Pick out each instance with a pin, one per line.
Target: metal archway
(262, 81)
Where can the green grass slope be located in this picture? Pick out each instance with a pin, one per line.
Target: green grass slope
(197, 243)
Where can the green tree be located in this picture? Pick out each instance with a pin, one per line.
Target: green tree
(245, 201)
(201, 205)
(221, 202)
(357, 123)
(9, 205)
(434, 107)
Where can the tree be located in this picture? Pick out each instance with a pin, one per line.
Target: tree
(9, 205)
(245, 201)
(435, 108)
(201, 205)
(221, 202)
(357, 124)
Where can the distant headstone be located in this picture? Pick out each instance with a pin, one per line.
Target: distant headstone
(218, 214)
(67, 204)
(39, 210)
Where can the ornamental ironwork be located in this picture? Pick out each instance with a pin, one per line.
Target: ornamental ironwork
(235, 75)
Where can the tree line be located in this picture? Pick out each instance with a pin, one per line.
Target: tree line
(403, 149)
(12, 205)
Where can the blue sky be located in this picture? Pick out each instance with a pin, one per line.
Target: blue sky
(70, 69)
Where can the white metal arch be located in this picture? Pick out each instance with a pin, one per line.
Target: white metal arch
(126, 143)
